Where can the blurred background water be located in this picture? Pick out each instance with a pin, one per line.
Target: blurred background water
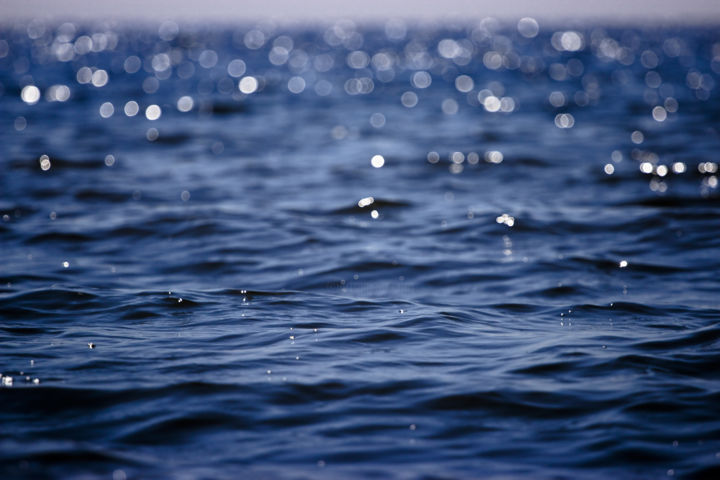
(391, 250)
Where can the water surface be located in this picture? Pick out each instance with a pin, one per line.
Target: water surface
(347, 251)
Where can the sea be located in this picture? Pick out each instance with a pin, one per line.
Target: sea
(468, 249)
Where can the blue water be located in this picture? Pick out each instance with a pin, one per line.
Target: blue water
(359, 251)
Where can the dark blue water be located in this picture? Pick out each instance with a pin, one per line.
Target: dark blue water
(345, 251)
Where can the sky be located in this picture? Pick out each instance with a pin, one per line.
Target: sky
(299, 10)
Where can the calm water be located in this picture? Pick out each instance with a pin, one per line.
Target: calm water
(345, 251)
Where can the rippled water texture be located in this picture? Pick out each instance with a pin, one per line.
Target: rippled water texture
(462, 251)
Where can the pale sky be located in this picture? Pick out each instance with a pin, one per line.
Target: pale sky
(235, 10)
